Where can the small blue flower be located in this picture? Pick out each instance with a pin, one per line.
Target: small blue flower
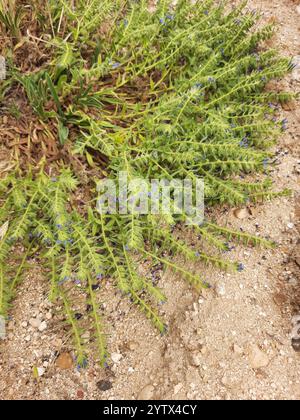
(99, 276)
(265, 163)
(54, 179)
(127, 248)
(229, 247)
(211, 79)
(64, 280)
(206, 12)
(170, 17)
(125, 22)
(197, 254)
(284, 124)
(244, 142)
(114, 65)
(240, 267)
(165, 330)
(59, 227)
(198, 85)
(162, 21)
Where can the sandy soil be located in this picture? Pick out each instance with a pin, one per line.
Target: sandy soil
(232, 342)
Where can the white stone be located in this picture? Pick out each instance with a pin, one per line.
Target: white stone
(221, 290)
(296, 320)
(35, 322)
(49, 316)
(237, 349)
(177, 388)
(296, 71)
(257, 358)
(116, 357)
(41, 371)
(43, 326)
(2, 68)
(196, 360)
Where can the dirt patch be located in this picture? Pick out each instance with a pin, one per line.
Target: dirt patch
(231, 342)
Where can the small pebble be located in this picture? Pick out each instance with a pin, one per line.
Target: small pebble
(80, 394)
(296, 70)
(116, 357)
(43, 326)
(257, 358)
(104, 385)
(35, 322)
(241, 213)
(41, 371)
(221, 291)
(64, 361)
(146, 393)
(237, 349)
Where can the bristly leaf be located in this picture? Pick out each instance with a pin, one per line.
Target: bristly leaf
(171, 93)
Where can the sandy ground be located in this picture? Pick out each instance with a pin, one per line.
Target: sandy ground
(232, 342)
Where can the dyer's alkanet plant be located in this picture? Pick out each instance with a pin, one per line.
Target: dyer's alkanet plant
(95, 87)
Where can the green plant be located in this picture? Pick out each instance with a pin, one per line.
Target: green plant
(11, 17)
(174, 93)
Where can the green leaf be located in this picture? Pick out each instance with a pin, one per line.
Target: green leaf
(66, 59)
(63, 132)
(54, 95)
(89, 159)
